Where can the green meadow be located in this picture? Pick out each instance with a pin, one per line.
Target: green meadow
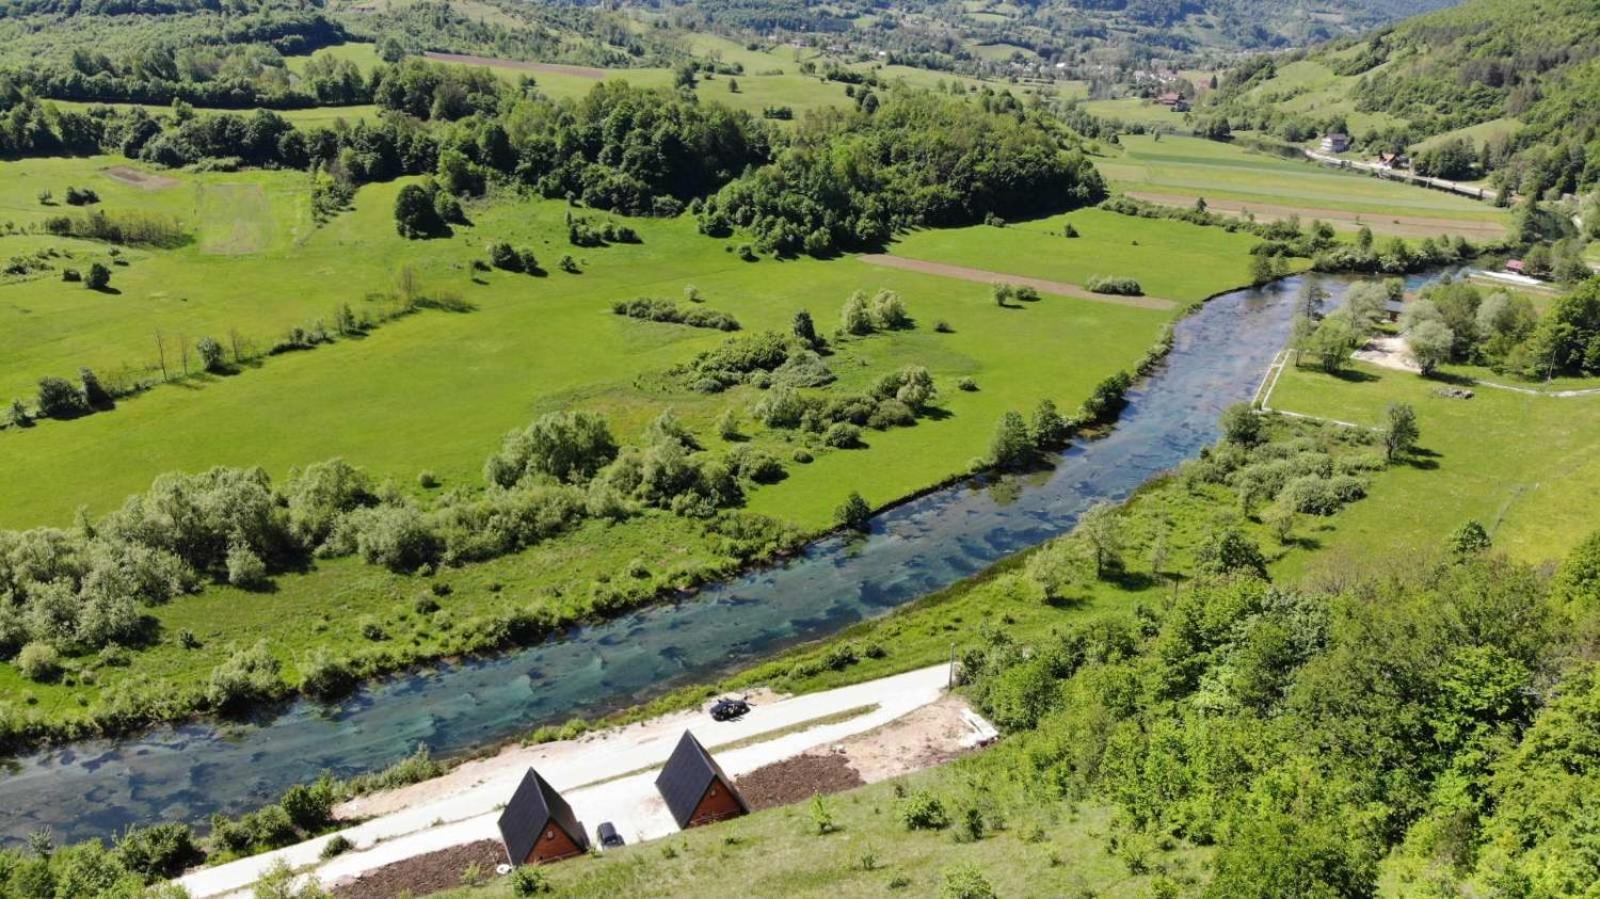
(1172, 260)
(436, 390)
(1185, 168)
(1526, 467)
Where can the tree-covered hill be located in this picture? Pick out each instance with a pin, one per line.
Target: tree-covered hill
(1501, 87)
(236, 54)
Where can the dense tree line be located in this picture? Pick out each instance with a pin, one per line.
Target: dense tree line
(851, 179)
(235, 55)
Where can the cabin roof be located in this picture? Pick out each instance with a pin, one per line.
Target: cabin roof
(533, 804)
(685, 777)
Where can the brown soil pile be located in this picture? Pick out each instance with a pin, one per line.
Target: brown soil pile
(425, 874)
(782, 783)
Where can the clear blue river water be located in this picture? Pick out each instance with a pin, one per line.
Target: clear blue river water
(186, 773)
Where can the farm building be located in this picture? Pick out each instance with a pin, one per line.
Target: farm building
(538, 825)
(1336, 142)
(694, 787)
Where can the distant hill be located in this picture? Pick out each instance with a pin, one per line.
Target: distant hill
(992, 35)
(1501, 88)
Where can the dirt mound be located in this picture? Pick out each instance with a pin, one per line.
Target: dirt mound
(782, 783)
(424, 874)
(980, 276)
(146, 180)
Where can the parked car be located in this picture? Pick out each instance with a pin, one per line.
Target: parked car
(728, 708)
(608, 836)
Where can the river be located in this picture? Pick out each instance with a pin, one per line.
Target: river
(186, 773)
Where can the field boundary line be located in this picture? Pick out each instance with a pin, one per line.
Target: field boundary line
(984, 276)
(1280, 362)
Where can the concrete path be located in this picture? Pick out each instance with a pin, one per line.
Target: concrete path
(1060, 288)
(608, 776)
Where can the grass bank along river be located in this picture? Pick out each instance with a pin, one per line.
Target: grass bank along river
(95, 788)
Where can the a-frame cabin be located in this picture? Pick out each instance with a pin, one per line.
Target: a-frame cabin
(538, 826)
(694, 787)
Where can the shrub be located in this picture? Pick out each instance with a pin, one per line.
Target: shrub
(1127, 287)
(965, 881)
(310, 806)
(924, 811)
(427, 480)
(395, 537)
(503, 256)
(529, 880)
(270, 826)
(210, 354)
(854, 513)
(337, 845)
(889, 311)
(158, 851)
(842, 435)
(39, 662)
(245, 568)
(59, 399)
(568, 264)
(246, 677)
(966, 384)
(326, 675)
(99, 277)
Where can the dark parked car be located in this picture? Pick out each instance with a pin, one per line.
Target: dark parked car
(607, 833)
(727, 709)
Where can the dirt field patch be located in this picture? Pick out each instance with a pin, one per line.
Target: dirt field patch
(1383, 223)
(553, 68)
(235, 219)
(424, 874)
(146, 180)
(1059, 288)
(797, 779)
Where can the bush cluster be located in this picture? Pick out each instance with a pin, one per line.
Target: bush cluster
(659, 310)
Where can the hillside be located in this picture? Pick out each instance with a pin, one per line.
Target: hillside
(1500, 88)
(1082, 39)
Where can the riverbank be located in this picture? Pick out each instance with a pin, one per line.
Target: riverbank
(608, 776)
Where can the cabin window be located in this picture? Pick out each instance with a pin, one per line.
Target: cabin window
(550, 834)
(713, 790)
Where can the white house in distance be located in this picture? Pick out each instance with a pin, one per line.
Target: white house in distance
(1336, 142)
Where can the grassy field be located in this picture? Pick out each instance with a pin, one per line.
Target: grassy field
(432, 391)
(1170, 259)
(1184, 168)
(1527, 467)
(1049, 850)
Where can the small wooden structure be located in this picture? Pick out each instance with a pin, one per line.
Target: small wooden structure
(694, 787)
(538, 826)
(1336, 142)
